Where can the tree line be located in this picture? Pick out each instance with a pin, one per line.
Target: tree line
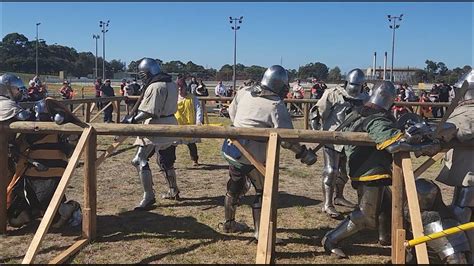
(17, 54)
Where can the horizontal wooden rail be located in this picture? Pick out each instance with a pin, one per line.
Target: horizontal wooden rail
(203, 131)
(225, 99)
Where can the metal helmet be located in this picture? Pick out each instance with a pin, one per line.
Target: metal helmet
(12, 87)
(148, 68)
(355, 79)
(383, 95)
(275, 79)
(469, 77)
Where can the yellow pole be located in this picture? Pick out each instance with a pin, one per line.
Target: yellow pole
(449, 231)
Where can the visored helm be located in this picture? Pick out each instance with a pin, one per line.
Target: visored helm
(355, 79)
(12, 87)
(469, 77)
(383, 95)
(275, 79)
(148, 68)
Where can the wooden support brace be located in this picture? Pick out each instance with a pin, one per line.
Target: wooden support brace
(268, 219)
(57, 197)
(110, 150)
(258, 165)
(73, 249)
(414, 208)
(427, 164)
(4, 180)
(397, 206)
(101, 110)
(77, 108)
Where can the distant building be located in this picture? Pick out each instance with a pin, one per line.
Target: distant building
(399, 74)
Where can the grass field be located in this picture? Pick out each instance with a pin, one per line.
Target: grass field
(186, 231)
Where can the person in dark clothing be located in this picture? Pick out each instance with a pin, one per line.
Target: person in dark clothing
(192, 86)
(107, 91)
(97, 85)
(443, 96)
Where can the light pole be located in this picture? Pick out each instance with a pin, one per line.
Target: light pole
(394, 26)
(96, 37)
(235, 28)
(104, 26)
(37, 24)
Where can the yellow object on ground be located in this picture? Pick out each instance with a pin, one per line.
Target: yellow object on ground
(449, 231)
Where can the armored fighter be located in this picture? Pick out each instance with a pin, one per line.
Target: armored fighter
(39, 159)
(332, 109)
(257, 106)
(458, 169)
(158, 106)
(370, 167)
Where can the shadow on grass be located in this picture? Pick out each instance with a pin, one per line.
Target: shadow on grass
(285, 200)
(133, 225)
(352, 246)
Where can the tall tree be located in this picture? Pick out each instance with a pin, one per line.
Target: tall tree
(316, 70)
(334, 74)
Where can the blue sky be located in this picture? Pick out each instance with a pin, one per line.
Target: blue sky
(337, 34)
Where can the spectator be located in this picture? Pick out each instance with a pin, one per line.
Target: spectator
(425, 111)
(132, 89)
(37, 90)
(66, 92)
(410, 95)
(107, 91)
(97, 85)
(298, 90)
(122, 86)
(189, 112)
(443, 96)
(452, 93)
(220, 91)
(201, 89)
(318, 89)
(192, 86)
(434, 97)
(314, 89)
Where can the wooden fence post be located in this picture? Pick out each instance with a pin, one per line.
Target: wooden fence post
(268, 219)
(87, 118)
(204, 109)
(306, 115)
(4, 179)
(397, 206)
(118, 111)
(90, 188)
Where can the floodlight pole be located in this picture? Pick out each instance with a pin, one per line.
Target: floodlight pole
(96, 37)
(394, 26)
(235, 28)
(104, 25)
(37, 40)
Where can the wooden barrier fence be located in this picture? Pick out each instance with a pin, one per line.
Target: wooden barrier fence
(403, 177)
(90, 103)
